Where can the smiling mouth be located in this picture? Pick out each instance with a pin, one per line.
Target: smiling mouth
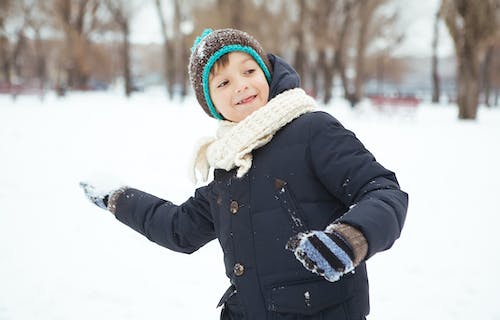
(246, 100)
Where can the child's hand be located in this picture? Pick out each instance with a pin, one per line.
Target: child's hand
(97, 197)
(100, 190)
(325, 253)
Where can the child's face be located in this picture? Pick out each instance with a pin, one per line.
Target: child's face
(238, 88)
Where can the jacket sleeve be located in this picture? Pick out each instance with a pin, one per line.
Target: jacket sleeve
(377, 205)
(183, 228)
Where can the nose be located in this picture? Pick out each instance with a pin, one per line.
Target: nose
(241, 85)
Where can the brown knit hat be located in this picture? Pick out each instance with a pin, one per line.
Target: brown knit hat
(208, 48)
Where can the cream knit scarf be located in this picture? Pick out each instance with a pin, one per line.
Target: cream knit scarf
(232, 147)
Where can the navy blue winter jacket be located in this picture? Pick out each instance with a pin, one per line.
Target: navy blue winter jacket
(329, 177)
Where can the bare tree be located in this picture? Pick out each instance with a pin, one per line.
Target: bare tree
(471, 24)
(4, 60)
(365, 15)
(179, 61)
(5, 7)
(38, 22)
(176, 45)
(122, 12)
(381, 60)
(324, 42)
(17, 17)
(166, 47)
(486, 74)
(299, 60)
(184, 28)
(78, 20)
(436, 92)
(265, 20)
(367, 25)
(340, 55)
(370, 24)
(18, 51)
(495, 74)
(270, 23)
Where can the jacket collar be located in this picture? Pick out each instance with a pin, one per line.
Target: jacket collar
(284, 77)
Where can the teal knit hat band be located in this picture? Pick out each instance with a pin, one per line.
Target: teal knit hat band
(210, 47)
(214, 58)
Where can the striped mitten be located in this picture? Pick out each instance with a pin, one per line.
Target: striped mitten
(325, 253)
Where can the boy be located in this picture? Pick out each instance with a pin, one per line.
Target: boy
(297, 203)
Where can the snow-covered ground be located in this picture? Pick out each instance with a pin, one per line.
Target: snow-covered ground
(63, 258)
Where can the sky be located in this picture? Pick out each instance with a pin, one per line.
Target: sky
(417, 18)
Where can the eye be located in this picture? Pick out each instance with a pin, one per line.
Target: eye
(249, 71)
(222, 84)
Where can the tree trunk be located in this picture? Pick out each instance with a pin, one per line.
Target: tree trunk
(471, 24)
(328, 84)
(497, 98)
(486, 74)
(339, 55)
(436, 90)
(166, 55)
(468, 82)
(6, 72)
(185, 62)
(299, 59)
(380, 74)
(16, 53)
(74, 15)
(69, 64)
(61, 85)
(313, 73)
(4, 59)
(359, 80)
(327, 78)
(179, 68)
(126, 58)
(41, 61)
(171, 68)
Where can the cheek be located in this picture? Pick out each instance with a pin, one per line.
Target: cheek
(215, 96)
(221, 101)
(261, 82)
(264, 89)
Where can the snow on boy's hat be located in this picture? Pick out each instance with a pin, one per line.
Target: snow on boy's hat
(208, 48)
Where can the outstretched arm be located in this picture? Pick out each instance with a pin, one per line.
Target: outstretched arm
(183, 228)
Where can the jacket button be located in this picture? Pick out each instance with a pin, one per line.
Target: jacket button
(238, 269)
(234, 207)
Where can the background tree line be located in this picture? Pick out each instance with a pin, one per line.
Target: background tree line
(84, 44)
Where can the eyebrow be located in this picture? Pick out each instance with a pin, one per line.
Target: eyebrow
(216, 72)
(246, 59)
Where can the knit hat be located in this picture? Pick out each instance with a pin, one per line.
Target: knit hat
(208, 48)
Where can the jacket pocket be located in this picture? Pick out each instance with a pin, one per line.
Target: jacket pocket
(312, 297)
(231, 291)
(231, 307)
(290, 206)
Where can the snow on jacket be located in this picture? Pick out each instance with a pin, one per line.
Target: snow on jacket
(329, 176)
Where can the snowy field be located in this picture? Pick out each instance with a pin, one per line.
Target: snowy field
(63, 258)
